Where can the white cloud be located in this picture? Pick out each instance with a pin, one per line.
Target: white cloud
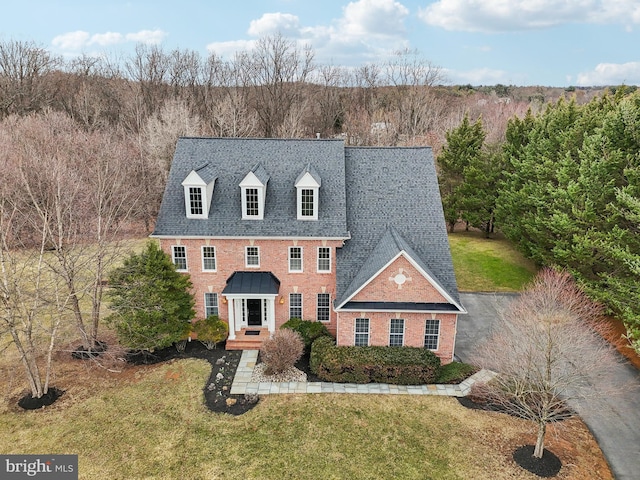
(611, 74)
(147, 36)
(368, 29)
(513, 15)
(374, 17)
(270, 23)
(71, 41)
(106, 39)
(74, 42)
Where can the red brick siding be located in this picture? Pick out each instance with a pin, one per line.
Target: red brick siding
(415, 289)
(414, 327)
(274, 257)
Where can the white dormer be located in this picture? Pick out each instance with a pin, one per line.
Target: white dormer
(198, 191)
(253, 190)
(308, 194)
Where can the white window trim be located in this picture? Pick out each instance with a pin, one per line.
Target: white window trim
(307, 182)
(404, 327)
(438, 336)
(252, 182)
(246, 256)
(301, 260)
(355, 331)
(316, 192)
(318, 260)
(301, 305)
(194, 180)
(217, 305)
(215, 258)
(328, 307)
(173, 258)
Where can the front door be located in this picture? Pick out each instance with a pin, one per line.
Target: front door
(254, 312)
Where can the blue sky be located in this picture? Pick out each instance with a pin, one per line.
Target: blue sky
(481, 42)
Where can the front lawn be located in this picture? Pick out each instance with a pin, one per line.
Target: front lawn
(150, 422)
(488, 265)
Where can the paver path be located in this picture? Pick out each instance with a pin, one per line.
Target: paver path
(242, 384)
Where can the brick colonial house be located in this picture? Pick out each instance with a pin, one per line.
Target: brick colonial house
(353, 237)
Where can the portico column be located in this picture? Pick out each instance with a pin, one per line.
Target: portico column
(271, 320)
(231, 317)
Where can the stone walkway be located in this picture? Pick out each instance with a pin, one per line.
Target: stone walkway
(242, 384)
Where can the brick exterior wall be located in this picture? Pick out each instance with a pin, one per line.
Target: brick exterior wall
(414, 330)
(274, 258)
(416, 288)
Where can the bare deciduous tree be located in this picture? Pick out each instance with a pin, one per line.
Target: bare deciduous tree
(547, 352)
(78, 188)
(23, 70)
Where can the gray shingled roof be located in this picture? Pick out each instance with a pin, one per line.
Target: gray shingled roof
(393, 204)
(282, 161)
(389, 246)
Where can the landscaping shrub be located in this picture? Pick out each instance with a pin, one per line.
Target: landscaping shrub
(281, 351)
(210, 331)
(394, 365)
(308, 330)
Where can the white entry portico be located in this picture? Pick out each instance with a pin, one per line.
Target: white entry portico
(251, 298)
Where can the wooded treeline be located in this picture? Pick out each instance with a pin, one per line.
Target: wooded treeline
(564, 186)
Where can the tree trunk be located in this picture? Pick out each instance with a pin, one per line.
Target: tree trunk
(542, 428)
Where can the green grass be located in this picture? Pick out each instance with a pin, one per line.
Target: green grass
(155, 426)
(488, 265)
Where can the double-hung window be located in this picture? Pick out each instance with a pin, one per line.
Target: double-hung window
(324, 259)
(322, 313)
(295, 259)
(295, 305)
(208, 259)
(251, 196)
(210, 304)
(179, 254)
(361, 332)
(195, 200)
(396, 332)
(431, 334)
(252, 256)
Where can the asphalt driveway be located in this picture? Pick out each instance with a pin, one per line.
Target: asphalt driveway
(614, 422)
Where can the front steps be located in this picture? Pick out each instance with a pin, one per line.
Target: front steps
(248, 342)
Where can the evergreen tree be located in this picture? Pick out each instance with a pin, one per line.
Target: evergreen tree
(150, 300)
(464, 146)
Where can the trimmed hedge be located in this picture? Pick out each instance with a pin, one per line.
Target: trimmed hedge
(394, 365)
(309, 330)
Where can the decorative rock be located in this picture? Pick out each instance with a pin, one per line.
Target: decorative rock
(231, 402)
(211, 387)
(291, 375)
(219, 376)
(220, 361)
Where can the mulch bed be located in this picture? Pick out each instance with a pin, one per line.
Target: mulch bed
(217, 389)
(547, 466)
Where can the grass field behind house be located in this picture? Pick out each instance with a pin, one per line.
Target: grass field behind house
(488, 264)
(152, 424)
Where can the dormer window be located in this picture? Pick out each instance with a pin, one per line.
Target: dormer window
(308, 190)
(198, 191)
(253, 189)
